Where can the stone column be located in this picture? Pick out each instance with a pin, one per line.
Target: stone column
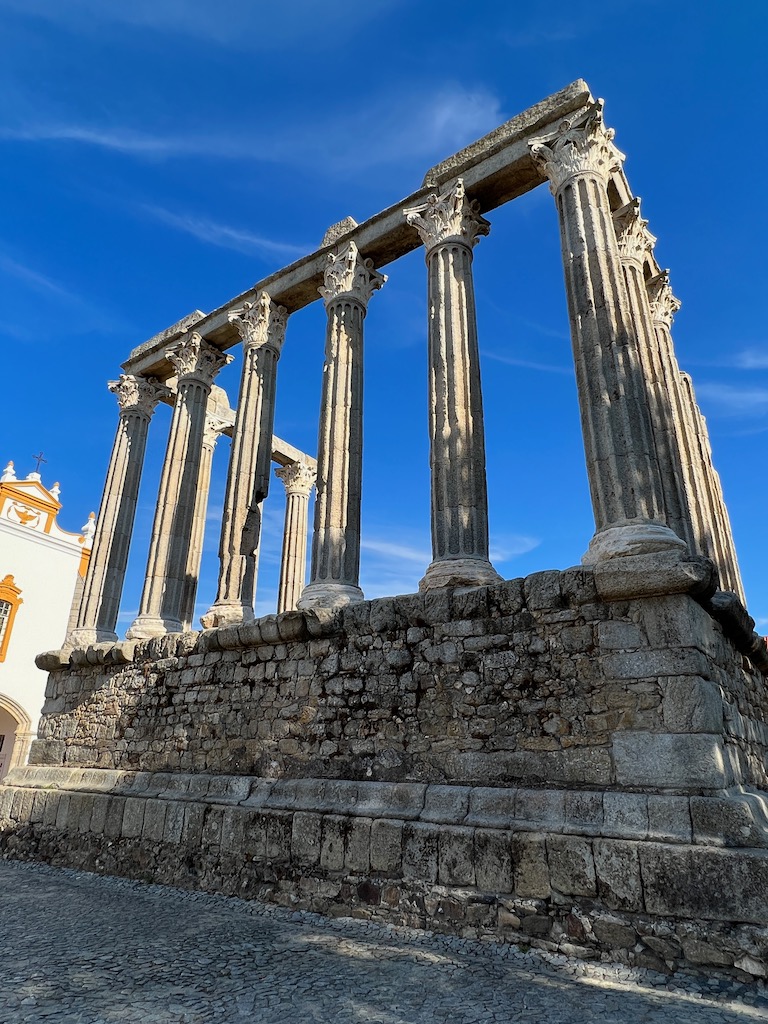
(661, 371)
(712, 535)
(449, 226)
(213, 430)
(137, 398)
(261, 326)
(624, 477)
(350, 280)
(197, 363)
(299, 479)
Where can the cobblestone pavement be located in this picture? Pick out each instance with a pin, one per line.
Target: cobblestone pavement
(79, 949)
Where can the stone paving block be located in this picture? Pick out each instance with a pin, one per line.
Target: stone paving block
(669, 760)
(192, 832)
(493, 860)
(333, 841)
(584, 812)
(305, 839)
(80, 811)
(232, 829)
(571, 865)
(174, 822)
(692, 704)
(420, 852)
(387, 847)
(113, 823)
(625, 815)
(492, 808)
(449, 804)
(357, 854)
(38, 806)
(457, 856)
(133, 817)
(153, 828)
(531, 870)
(617, 866)
(540, 809)
(669, 818)
(62, 811)
(278, 826)
(705, 882)
(728, 821)
(6, 801)
(212, 824)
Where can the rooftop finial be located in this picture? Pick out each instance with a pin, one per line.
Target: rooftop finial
(9, 474)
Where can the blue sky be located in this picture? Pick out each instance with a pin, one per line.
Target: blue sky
(163, 155)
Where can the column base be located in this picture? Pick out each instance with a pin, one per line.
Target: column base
(329, 595)
(226, 615)
(459, 572)
(642, 538)
(78, 639)
(147, 626)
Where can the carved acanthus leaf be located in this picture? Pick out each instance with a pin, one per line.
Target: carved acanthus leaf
(448, 217)
(348, 274)
(299, 478)
(214, 428)
(137, 394)
(583, 148)
(632, 234)
(664, 305)
(261, 323)
(195, 357)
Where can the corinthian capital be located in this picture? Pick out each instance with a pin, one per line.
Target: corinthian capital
(260, 323)
(298, 478)
(632, 234)
(664, 305)
(137, 394)
(194, 357)
(347, 273)
(575, 149)
(448, 217)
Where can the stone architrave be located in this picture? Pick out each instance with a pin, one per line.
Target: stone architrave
(450, 226)
(661, 371)
(261, 326)
(624, 478)
(350, 280)
(197, 362)
(137, 398)
(299, 479)
(214, 427)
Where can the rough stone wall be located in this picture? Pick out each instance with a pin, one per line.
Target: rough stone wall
(535, 682)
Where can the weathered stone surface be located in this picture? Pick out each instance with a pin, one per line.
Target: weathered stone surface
(670, 761)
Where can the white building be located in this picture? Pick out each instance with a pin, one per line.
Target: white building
(41, 568)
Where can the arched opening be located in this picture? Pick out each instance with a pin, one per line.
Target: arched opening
(15, 734)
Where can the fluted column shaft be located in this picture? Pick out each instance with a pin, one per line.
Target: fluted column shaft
(160, 611)
(211, 434)
(624, 478)
(299, 480)
(261, 326)
(100, 603)
(449, 226)
(350, 281)
(661, 372)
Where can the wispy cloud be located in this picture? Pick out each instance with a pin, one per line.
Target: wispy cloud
(731, 400)
(528, 364)
(235, 24)
(82, 315)
(751, 359)
(505, 547)
(397, 552)
(390, 128)
(224, 236)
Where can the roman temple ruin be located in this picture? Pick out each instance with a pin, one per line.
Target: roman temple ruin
(575, 759)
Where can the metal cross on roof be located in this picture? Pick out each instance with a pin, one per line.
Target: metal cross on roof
(39, 458)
